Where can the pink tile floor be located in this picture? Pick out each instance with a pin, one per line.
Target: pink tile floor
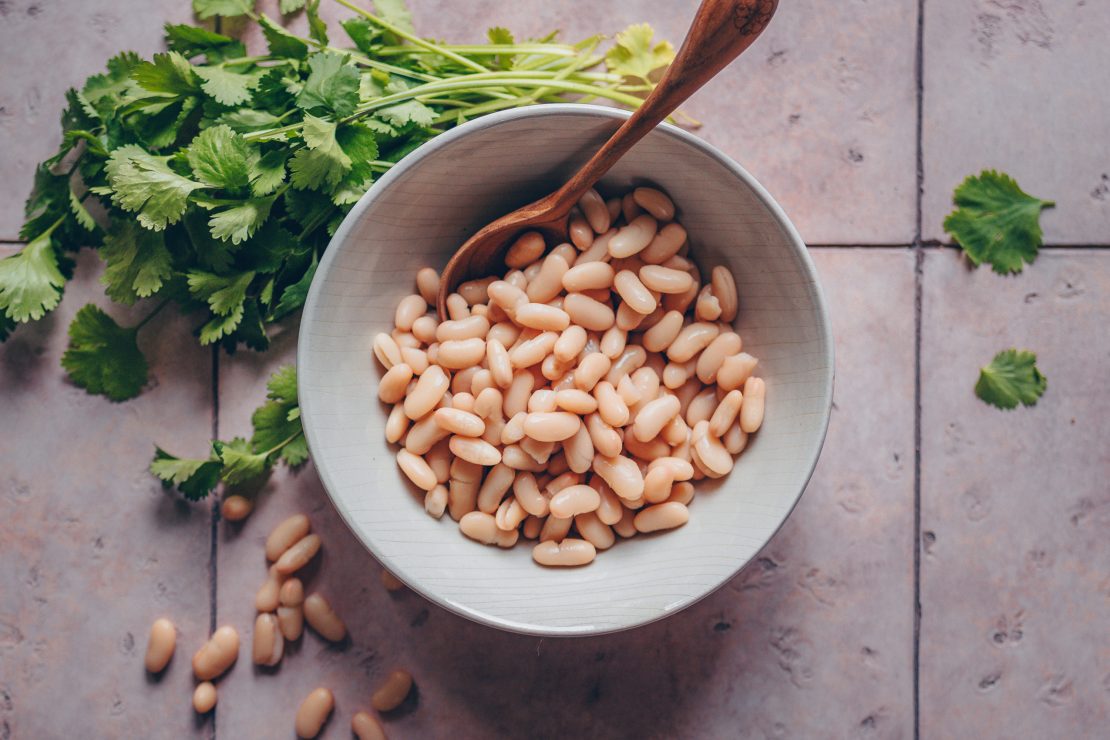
(946, 574)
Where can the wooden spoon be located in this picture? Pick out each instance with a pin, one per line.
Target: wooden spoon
(720, 31)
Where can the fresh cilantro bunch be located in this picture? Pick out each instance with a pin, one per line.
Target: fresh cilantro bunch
(213, 179)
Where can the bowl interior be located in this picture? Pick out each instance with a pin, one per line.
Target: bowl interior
(418, 215)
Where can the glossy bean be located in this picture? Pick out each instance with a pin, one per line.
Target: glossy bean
(567, 553)
(204, 697)
(459, 422)
(456, 354)
(285, 534)
(417, 469)
(477, 451)
(392, 386)
(525, 250)
(216, 655)
(160, 645)
(574, 500)
(654, 202)
(633, 292)
(691, 340)
(632, 238)
(313, 713)
(664, 244)
(724, 288)
(595, 211)
(386, 350)
(735, 371)
(751, 412)
(299, 555)
(667, 515)
(549, 281)
(594, 531)
(725, 413)
(610, 405)
(428, 392)
(622, 474)
(427, 284)
(266, 598)
(576, 401)
(665, 279)
(323, 619)
(588, 313)
(392, 692)
(268, 644)
(365, 727)
(409, 310)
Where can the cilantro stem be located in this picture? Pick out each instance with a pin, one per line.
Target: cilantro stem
(562, 50)
(463, 84)
(152, 314)
(413, 39)
(281, 444)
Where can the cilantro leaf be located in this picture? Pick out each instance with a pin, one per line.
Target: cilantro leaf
(191, 40)
(145, 184)
(226, 87)
(267, 172)
(194, 478)
(223, 293)
(137, 262)
(103, 357)
(239, 222)
(226, 8)
(324, 161)
(995, 221)
(219, 157)
(245, 120)
(103, 92)
(240, 464)
(290, 6)
(168, 73)
(277, 424)
(365, 35)
(317, 29)
(80, 213)
(294, 296)
(1012, 377)
(636, 55)
(219, 327)
(410, 111)
(332, 85)
(395, 13)
(30, 281)
(281, 42)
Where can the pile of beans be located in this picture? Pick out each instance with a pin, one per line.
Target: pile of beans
(283, 610)
(576, 398)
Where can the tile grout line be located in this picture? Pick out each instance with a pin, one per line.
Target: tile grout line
(217, 26)
(214, 531)
(918, 278)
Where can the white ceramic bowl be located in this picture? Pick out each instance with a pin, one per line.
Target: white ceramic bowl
(417, 215)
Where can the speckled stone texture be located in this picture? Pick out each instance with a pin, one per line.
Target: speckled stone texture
(1015, 575)
(92, 550)
(814, 637)
(1020, 85)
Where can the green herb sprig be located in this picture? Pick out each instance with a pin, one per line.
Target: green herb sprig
(223, 175)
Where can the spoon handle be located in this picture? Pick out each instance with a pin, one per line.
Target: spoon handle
(721, 30)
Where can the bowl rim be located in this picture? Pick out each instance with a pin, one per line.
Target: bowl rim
(428, 149)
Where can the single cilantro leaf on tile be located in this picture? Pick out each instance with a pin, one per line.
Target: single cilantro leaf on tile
(1011, 378)
(103, 357)
(996, 222)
